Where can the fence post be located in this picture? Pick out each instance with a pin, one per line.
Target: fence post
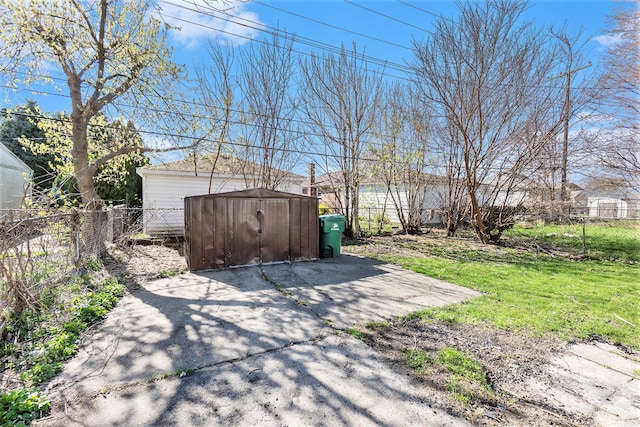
(584, 236)
(75, 237)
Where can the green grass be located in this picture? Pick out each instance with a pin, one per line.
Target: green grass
(356, 333)
(464, 374)
(372, 324)
(537, 293)
(613, 240)
(418, 359)
(40, 339)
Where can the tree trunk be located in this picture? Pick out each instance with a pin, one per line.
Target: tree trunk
(476, 219)
(93, 230)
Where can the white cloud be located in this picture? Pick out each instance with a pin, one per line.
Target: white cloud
(200, 20)
(607, 40)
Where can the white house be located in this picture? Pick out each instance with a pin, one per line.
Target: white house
(165, 186)
(374, 198)
(614, 204)
(15, 180)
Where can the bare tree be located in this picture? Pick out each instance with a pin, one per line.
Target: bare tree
(342, 100)
(616, 145)
(215, 89)
(402, 154)
(453, 199)
(482, 76)
(266, 72)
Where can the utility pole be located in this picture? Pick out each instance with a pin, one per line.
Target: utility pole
(564, 196)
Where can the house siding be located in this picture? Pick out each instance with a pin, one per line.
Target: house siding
(610, 207)
(373, 199)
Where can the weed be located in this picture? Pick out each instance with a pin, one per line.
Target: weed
(41, 372)
(637, 373)
(465, 374)
(418, 359)
(92, 264)
(278, 287)
(163, 375)
(167, 273)
(376, 325)
(462, 366)
(356, 333)
(458, 391)
(59, 343)
(20, 407)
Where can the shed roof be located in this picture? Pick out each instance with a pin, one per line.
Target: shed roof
(257, 193)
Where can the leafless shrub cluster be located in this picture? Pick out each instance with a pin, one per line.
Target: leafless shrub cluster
(37, 251)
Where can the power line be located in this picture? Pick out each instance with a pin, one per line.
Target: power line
(426, 11)
(387, 16)
(315, 43)
(244, 145)
(278, 33)
(326, 24)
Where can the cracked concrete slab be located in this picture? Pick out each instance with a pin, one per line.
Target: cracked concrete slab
(598, 382)
(334, 381)
(366, 290)
(256, 356)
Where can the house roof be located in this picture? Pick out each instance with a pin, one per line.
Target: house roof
(225, 165)
(11, 161)
(622, 194)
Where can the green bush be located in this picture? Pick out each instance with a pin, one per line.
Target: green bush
(20, 407)
(381, 219)
(61, 345)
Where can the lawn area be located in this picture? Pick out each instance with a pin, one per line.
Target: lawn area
(533, 282)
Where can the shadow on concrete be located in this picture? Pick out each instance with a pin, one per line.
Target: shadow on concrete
(254, 355)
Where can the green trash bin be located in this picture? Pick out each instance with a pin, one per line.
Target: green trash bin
(331, 229)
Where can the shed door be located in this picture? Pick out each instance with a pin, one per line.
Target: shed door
(258, 231)
(274, 244)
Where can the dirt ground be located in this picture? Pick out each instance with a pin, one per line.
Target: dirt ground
(509, 359)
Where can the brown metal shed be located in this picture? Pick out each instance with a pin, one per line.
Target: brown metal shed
(249, 227)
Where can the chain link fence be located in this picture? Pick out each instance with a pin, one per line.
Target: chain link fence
(376, 219)
(42, 247)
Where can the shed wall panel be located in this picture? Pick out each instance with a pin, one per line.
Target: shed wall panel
(274, 239)
(219, 232)
(243, 231)
(295, 231)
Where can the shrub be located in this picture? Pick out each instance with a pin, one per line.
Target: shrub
(20, 407)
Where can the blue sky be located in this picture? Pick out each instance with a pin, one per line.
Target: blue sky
(394, 22)
(386, 30)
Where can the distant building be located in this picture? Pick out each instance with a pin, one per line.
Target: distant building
(619, 203)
